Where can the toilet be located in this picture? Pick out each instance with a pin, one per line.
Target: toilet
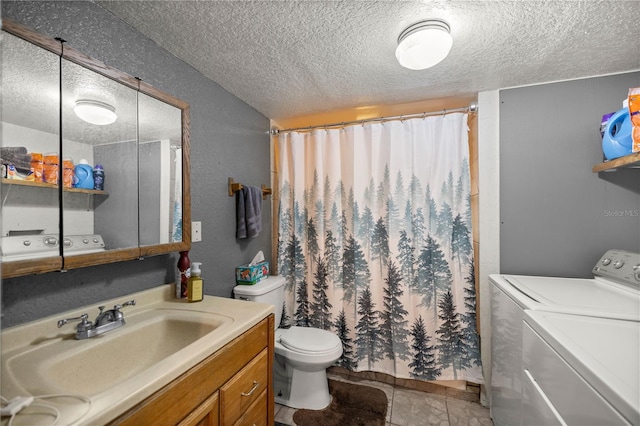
(302, 354)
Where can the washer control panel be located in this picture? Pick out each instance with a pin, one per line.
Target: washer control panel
(620, 265)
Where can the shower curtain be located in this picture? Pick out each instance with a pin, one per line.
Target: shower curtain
(374, 239)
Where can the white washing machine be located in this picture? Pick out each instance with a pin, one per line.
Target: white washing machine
(613, 293)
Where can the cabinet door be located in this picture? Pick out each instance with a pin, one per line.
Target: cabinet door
(160, 177)
(30, 129)
(113, 145)
(205, 415)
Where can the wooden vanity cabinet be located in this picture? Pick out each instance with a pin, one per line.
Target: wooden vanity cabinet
(233, 386)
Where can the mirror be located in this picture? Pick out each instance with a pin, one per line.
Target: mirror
(137, 205)
(30, 130)
(108, 211)
(160, 153)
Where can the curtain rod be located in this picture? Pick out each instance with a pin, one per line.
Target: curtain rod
(473, 107)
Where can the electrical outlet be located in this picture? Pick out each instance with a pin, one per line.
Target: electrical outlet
(196, 232)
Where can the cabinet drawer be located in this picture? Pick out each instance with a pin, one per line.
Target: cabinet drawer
(256, 415)
(237, 395)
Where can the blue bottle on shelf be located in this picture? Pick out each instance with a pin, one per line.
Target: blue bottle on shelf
(84, 175)
(98, 177)
(617, 140)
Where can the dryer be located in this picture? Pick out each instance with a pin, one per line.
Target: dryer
(580, 370)
(613, 293)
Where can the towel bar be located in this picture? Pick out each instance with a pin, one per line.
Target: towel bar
(237, 186)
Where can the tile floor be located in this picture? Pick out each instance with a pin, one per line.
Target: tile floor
(414, 408)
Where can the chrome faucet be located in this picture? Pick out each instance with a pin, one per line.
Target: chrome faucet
(105, 321)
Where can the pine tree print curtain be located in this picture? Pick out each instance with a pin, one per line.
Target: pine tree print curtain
(374, 239)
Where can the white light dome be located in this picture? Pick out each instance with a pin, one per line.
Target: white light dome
(424, 44)
(95, 112)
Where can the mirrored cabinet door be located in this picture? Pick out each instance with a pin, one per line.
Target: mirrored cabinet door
(100, 163)
(160, 154)
(29, 145)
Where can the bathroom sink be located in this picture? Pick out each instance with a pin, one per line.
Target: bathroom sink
(91, 366)
(163, 338)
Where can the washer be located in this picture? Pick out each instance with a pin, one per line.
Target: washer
(29, 247)
(613, 293)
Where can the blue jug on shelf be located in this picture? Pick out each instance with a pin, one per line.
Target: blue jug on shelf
(84, 175)
(617, 141)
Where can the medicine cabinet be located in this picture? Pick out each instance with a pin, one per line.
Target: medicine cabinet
(143, 207)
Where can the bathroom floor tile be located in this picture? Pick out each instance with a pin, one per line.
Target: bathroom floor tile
(412, 407)
(467, 413)
(415, 408)
(284, 415)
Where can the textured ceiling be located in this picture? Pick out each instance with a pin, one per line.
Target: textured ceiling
(33, 96)
(294, 58)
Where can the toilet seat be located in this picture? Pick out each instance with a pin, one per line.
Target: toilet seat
(310, 340)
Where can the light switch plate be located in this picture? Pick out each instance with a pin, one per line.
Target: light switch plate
(196, 232)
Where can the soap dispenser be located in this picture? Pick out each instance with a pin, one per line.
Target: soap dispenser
(195, 287)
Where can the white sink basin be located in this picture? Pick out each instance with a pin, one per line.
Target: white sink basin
(90, 366)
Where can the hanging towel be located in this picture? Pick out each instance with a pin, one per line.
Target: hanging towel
(248, 212)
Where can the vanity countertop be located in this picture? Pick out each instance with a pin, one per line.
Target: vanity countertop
(29, 347)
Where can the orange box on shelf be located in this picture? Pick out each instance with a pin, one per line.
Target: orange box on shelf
(37, 166)
(67, 173)
(51, 164)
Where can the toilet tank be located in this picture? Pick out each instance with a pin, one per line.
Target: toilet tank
(269, 290)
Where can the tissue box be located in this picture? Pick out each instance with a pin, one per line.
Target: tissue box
(251, 274)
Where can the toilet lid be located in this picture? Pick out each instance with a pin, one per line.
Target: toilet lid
(308, 339)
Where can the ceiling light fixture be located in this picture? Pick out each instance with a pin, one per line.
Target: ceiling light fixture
(424, 44)
(95, 112)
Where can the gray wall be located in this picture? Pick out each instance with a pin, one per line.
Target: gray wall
(228, 139)
(557, 217)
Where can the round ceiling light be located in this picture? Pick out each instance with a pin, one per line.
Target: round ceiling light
(424, 44)
(95, 112)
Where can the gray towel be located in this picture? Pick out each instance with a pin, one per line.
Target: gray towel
(248, 212)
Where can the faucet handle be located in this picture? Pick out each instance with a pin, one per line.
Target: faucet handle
(127, 303)
(116, 309)
(82, 317)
